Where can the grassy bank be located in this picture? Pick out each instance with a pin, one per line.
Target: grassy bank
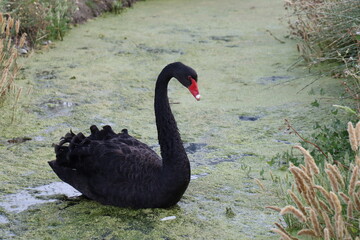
(27, 24)
(328, 34)
(51, 19)
(324, 202)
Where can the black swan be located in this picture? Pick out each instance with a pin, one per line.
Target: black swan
(116, 169)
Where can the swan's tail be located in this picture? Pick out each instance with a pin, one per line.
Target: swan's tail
(72, 145)
(78, 158)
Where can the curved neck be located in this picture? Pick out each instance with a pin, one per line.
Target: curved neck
(176, 166)
(172, 150)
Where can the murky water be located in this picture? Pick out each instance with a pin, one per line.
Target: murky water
(21, 201)
(104, 73)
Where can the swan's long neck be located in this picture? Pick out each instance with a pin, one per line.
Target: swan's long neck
(176, 166)
(168, 134)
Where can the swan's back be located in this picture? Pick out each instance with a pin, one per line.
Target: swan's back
(114, 169)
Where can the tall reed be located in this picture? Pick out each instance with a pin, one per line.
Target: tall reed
(325, 201)
(328, 30)
(10, 42)
(328, 34)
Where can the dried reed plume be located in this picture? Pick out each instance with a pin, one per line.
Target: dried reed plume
(284, 231)
(333, 181)
(353, 180)
(309, 160)
(344, 197)
(259, 183)
(357, 132)
(352, 137)
(325, 207)
(350, 210)
(328, 224)
(297, 201)
(340, 228)
(327, 199)
(336, 172)
(356, 198)
(8, 55)
(315, 223)
(325, 193)
(336, 202)
(326, 234)
(284, 235)
(274, 208)
(307, 232)
(292, 210)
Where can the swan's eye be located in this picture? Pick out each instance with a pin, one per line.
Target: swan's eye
(190, 78)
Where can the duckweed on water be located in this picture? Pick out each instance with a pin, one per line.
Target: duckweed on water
(206, 210)
(104, 73)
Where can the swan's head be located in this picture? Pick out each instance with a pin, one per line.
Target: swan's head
(193, 88)
(188, 78)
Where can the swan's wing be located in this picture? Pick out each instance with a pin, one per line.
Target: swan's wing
(101, 147)
(104, 160)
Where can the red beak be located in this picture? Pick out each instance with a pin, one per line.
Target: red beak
(193, 88)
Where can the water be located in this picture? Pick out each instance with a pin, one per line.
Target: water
(24, 199)
(3, 220)
(104, 73)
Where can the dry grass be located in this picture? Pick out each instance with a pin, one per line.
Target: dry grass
(328, 34)
(328, 30)
(9, 44)
(326, 201)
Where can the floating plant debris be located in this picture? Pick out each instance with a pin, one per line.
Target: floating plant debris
(19, 140)
(249, 118)
(272, 79)
(194, 147)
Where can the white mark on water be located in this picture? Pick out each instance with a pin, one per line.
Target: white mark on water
(168, 218)
(24, 199)
(3, 220)
(196, 176)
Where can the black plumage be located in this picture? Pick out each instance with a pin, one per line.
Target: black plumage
(116, 169)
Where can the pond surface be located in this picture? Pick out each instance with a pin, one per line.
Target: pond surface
(104, 73)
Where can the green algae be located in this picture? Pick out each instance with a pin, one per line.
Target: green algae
(104, 73)
(197, 216)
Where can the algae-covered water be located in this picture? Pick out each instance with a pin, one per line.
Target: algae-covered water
(104, 73)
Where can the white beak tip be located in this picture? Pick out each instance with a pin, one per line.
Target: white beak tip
(198, 97)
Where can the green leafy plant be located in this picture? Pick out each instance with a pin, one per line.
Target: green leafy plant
(46, 19)
(117, 6)
(59, 17)
(330, 140)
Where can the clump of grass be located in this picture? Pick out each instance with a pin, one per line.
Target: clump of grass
(9, 44)
(325, 201)
(328, 34)
(41, 20)
(117, 6)
(328, 30)
(59, 18)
